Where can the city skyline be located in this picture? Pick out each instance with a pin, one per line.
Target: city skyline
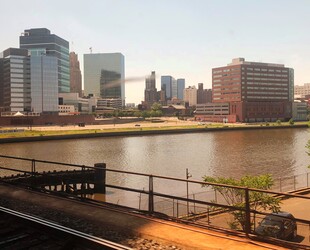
(201, 35)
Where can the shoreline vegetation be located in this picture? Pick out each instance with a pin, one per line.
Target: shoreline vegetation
(147, 127)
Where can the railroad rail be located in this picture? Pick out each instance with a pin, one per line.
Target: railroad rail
(22, 231)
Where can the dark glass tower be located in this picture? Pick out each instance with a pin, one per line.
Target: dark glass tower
(15, 80)
(51, 45)
(110, 86)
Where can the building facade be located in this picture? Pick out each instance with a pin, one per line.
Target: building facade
(180, 87)
(81, 105)
(203, 95)
(105, 104)
(44, 83)
(104, 75)
(51, 45)
(213, 109)
(150, 92)
(15, 89)
(190, 96)
(173, 88)
(166, 85)
(255, 91)
(75, 75)
(300, 111)
(302, 91)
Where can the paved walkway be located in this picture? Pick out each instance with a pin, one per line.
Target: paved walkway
(183, 236)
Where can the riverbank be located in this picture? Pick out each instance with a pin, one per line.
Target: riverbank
(168, 126)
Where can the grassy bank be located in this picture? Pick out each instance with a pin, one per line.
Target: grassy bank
(88, 131)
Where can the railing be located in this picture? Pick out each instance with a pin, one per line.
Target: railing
(204, 206)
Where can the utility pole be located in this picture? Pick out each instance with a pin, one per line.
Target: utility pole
(188, 175)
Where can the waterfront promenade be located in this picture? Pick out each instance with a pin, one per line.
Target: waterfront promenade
(136, 230)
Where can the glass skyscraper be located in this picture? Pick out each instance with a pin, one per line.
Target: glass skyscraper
(166, 84)
(53, 45)
(180, 87)
(44, 83)
(104, 75)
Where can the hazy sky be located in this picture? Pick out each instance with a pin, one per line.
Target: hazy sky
(182, 38)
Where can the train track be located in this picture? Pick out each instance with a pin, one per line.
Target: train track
(22, 231)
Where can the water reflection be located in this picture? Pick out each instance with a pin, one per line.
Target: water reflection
(229, 153)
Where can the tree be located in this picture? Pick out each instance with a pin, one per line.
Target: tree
(156, 106)
(291, 121)
(145, 114)
(159, 113)
(137, 114)
(259, 201)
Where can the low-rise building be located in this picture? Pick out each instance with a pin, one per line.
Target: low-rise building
(214, 112)
(67, 110)
(175, 110)
(302, 90)
(300, 111)
(81, 105)
(108, 104)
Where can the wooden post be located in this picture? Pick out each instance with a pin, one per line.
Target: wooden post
(100, 178)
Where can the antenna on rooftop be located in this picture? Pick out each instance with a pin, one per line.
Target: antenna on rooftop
(91, 50)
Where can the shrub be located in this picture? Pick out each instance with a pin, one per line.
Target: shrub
(291, 121)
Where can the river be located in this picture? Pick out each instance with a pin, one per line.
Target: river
(279, 152)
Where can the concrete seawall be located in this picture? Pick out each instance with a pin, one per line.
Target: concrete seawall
(142, 132)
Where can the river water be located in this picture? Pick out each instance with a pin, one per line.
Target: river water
(279, 152)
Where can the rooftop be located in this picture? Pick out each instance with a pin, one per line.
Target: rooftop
(240, 60)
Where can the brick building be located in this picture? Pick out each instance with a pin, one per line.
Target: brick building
(203, 95)
(75, 75)
(254, 91)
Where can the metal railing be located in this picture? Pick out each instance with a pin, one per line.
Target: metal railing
(206, 207)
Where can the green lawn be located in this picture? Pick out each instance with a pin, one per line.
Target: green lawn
(34, 133)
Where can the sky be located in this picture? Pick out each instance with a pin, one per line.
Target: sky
(181, 38)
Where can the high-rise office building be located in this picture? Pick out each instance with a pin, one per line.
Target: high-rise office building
(52, 45)
(104, 75)
(150, 92)
(75, 75)
(44, 82)
(169, 84)
(180, 87)
(254, 91)
(15, 91)
(174, 88)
